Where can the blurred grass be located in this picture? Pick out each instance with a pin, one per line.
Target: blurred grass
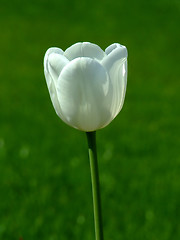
(45, 190)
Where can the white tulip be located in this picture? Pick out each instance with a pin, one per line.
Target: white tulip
(87, 85)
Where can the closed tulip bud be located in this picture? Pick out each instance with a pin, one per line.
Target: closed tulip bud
(87, 85)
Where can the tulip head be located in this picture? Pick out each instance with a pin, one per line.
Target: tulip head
(87, 85)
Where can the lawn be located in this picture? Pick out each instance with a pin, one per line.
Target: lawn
(45, 188)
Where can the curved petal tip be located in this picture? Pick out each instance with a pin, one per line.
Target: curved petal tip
(84, 49)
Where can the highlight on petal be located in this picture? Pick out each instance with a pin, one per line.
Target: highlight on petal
(116, 65)
(54, 61)
(84, 49)
(85, 94)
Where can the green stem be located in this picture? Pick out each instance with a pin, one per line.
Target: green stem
(91, 137)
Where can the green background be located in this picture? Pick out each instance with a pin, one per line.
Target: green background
(45, 189)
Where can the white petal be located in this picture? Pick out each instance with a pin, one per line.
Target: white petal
(84, 49)
(54, 61)
(113, 46)
(50, 51)
(116, 65)
(84, 94)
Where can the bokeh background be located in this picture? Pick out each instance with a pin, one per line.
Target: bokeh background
(45, 188)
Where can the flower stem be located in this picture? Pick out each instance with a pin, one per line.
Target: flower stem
(91, 137)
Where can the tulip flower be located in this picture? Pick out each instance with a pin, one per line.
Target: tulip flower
(87, 85)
